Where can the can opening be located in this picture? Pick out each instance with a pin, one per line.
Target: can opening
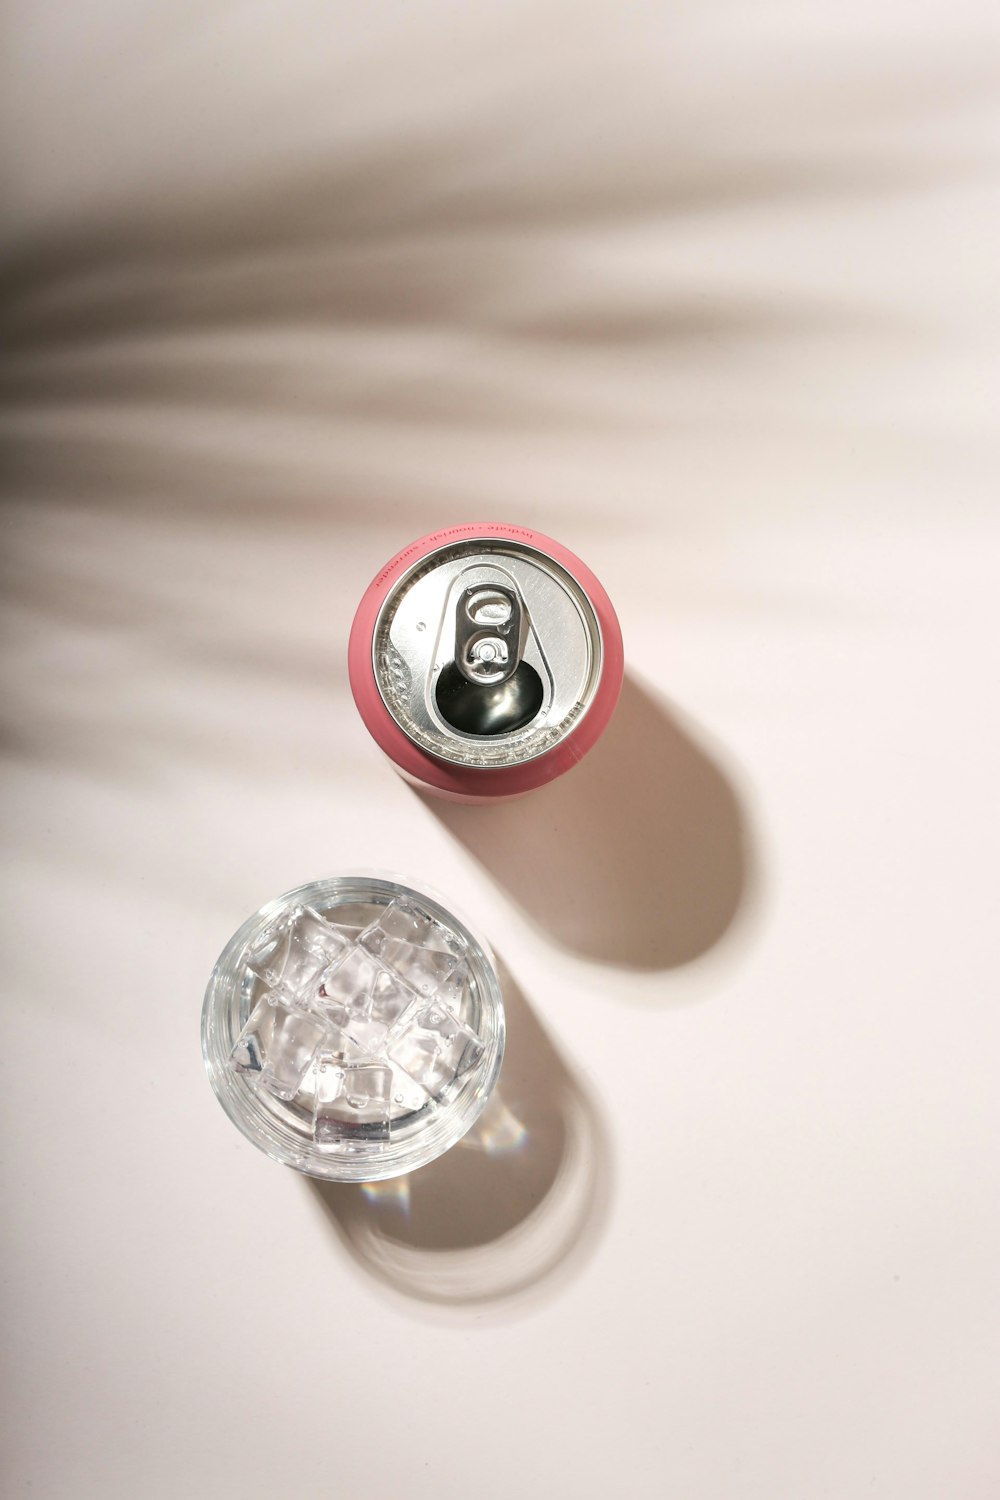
(485, 709)
(487, 652)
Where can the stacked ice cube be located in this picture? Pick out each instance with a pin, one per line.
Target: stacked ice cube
(360, 1026)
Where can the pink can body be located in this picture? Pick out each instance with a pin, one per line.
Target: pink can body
(466, 783)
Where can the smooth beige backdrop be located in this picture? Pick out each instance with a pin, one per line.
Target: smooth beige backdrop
(710, 293)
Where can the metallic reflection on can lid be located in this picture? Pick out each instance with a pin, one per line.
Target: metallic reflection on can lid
(487, 653)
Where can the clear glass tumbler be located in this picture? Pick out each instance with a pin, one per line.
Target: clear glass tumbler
(353, 1028)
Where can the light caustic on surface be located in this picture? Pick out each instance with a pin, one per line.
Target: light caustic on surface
(361, 1027)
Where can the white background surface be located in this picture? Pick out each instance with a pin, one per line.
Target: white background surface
(709, 293)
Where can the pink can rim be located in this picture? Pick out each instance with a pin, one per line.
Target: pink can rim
(466, 781)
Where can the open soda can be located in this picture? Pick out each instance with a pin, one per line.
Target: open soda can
(485, 660)
(354, 1028)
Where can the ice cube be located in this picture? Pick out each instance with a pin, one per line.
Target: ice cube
(356, 990)
(278, 1045)
(345, 988)
(414, 945)
(407, 1096)
(367, 1089)
(456, 993)
(329, 1086)
(293, 954)
(352, 1100)
(364, 1038)
(391, 996)
(434, 1047)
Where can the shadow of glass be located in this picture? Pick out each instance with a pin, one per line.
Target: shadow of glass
(638, 858)
(512, 1207)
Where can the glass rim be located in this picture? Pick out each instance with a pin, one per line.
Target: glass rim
(221, 1011)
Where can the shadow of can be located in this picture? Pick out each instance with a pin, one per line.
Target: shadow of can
(639, 857)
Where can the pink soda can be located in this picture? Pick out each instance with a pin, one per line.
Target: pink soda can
(485, 660)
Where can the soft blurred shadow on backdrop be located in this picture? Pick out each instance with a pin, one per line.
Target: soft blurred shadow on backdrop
(709, 293)
(272, 277)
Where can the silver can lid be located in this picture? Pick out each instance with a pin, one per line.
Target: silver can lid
(487, 653)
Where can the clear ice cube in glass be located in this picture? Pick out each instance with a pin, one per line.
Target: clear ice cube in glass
(411, 943)
(434, 1047)
(328, 1087)
(363, 1000)
(391, 997)
(278, 1045)
(295, 952)
(456, 992)
(349, 1097)
(407, 1096)
(364, 1038)
(346, 988)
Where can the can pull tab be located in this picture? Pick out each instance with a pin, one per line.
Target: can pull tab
(490, 633)
(489, 689)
